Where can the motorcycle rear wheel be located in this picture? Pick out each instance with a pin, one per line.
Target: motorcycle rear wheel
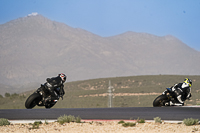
(160, 101)
(32, 100)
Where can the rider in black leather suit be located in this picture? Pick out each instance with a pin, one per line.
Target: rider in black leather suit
(54, 87)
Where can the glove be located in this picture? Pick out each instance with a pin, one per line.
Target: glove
(164, 93)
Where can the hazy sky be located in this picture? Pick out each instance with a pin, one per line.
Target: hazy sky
(180, 18)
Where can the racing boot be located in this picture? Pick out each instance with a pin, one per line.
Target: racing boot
(171, 103)
(179, 104)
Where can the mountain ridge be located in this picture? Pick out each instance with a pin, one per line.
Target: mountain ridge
(34, 48)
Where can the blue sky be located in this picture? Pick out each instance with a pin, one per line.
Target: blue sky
(180, 18)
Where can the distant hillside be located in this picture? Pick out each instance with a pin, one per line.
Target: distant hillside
(33, 48)
(132, 91)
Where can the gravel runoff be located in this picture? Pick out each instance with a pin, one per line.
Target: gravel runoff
(98, 126)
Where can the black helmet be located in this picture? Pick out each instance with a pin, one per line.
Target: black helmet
(63, 77)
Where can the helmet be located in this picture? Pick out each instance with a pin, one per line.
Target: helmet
(188, 81)
(63, 77)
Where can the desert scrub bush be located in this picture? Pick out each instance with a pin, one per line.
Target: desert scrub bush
(190, 121)
(4, 122)
(78, 119)
(157, 120)
(67, 119)
(121, 122)
(36, 125)
(140, 120)
(128, 124)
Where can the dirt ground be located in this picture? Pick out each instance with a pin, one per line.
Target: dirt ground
(100, 127)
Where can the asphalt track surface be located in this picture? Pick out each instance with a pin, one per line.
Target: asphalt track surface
(127, 113)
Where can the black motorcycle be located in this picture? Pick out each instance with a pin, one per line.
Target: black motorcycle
(37, 98)
(164, 99)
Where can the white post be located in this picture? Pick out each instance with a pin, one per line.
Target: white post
(110, 95)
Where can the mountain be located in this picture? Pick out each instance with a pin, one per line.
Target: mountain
(33, 48)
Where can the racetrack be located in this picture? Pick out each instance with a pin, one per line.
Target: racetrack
(147, 113)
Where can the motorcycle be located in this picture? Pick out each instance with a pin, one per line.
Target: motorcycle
(37, 98)
(164, 99)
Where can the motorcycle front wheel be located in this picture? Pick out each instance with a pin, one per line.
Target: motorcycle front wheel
(160, 101)
(32, 100)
